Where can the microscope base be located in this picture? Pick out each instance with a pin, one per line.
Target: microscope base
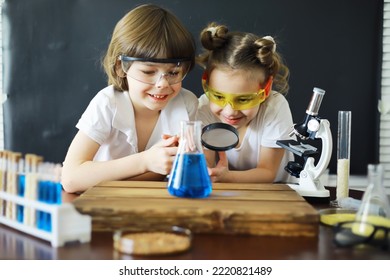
(318, 196)
(310, 193)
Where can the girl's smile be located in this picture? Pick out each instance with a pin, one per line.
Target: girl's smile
(159, 97)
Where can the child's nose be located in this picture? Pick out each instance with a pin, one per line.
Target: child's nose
(162, 81)
(229, 108)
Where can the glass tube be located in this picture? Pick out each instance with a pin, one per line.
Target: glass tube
(343, 154)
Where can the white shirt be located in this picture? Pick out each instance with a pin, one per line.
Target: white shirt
(273, 122)
(109, 121)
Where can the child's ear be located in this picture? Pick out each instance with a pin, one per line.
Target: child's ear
(118, 69)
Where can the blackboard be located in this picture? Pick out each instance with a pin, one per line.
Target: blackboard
(52, 51)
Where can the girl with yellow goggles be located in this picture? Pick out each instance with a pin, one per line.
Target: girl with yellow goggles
(242, 71)
(242, 101)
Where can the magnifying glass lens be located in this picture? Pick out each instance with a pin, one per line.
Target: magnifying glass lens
(219, 137)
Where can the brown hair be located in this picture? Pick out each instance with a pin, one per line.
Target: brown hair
(242, 50)
(147, 31)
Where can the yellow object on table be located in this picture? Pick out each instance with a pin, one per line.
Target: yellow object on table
(366, 226)
(334, 216)
(333, 219)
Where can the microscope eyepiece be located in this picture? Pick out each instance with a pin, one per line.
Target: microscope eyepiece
(301, 129)
(315, 102)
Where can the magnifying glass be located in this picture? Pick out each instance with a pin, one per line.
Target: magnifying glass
(219, 137)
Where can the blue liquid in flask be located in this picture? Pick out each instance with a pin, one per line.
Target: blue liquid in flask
(190, 177)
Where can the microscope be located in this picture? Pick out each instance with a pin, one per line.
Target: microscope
(311, 128)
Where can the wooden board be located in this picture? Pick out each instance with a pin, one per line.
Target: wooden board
(256, 209)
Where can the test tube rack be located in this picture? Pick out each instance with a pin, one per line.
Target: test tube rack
(32, 204)
(68, 225)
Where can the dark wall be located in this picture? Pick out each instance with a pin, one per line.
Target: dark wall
(52, 51)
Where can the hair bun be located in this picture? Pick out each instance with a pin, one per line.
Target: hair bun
(212, 30)
(270, 38)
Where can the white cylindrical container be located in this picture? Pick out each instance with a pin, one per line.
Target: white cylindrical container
(343, 154)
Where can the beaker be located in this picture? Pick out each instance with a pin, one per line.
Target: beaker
(189, 176)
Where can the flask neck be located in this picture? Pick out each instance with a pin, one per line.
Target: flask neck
(190, 137)
(375, 176)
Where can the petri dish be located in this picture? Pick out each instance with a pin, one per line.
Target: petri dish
(167, 241)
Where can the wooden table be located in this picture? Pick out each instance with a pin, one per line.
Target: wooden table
(255, 209)
(206, 246)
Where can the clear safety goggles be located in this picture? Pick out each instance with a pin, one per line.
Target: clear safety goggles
(236, 101)
(148, 72)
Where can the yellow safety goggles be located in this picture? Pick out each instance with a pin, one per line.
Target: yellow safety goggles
(236, 101)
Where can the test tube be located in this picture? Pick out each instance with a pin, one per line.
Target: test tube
(343, 154)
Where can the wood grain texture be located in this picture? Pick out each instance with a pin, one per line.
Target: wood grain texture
(256, 209)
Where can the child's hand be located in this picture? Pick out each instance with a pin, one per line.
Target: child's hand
(160, 157)
(174, 138)
(220, 171)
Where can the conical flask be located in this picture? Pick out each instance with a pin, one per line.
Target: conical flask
(375, 207)
(189, 176)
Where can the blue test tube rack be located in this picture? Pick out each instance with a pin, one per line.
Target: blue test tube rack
(30, 201)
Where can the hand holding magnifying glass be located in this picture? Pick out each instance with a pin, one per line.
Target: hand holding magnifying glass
(219, 137)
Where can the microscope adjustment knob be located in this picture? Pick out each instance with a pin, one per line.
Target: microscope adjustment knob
(313, 125)
(294, 168)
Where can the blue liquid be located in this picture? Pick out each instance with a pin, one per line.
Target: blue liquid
(189, 177)
(21, 190)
